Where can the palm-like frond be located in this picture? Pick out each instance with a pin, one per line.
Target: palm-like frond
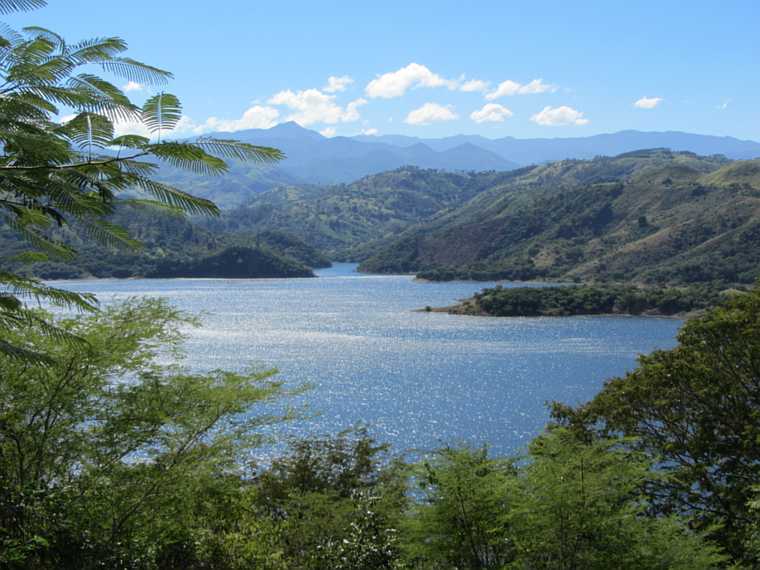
(53, 173)
(176, 198)
(9, 6)
(188, 156)
(161, 112)
(236, 150)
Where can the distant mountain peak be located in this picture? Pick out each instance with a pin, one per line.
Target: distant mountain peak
(292, 129)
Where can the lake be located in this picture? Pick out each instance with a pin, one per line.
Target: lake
(417, 379)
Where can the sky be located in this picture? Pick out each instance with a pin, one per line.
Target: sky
(438, 68)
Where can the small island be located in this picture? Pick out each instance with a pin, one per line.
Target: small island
(235, 262)
(560, 301)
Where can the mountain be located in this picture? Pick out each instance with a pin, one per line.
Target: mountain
(314, 159)
(652, 216)
(339, 219)
(536, 151)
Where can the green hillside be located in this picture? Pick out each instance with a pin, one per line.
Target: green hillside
(167, 240)
(651, 216)
(342, 219)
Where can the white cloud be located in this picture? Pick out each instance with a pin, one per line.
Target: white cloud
(121, 128)
(491, 113)
(430, 113)
(255, 117)
(313, 106)
(559, 116)
(396, 83)
(474, 85)
(647, 102)
(328, 132)
(509, 88)
(132, 86)
(370, 132)
(336, 84)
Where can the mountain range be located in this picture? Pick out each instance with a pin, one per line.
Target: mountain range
(314, 159)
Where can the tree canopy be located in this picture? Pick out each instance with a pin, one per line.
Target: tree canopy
(63, 161)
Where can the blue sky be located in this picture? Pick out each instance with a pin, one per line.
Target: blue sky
(691, 65)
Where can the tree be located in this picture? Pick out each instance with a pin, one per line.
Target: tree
(109, 458)
(459, 521)
(57, 172)
(580, 506)
(695, 412)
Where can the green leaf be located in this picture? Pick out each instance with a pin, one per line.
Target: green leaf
(161, 112)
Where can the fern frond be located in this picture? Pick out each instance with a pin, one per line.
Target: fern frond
(10, 6)
(109, 234)
(176, 198)
(232, 149)
(32, 289)
(188, 156)
(161, 112)
(133, 70)
(24, 354)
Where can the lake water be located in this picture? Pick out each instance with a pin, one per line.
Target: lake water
(417, 379)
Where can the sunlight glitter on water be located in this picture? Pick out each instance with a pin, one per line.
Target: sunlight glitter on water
(417, 379)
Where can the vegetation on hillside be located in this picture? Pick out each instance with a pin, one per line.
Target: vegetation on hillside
(654, 217)
(342, 220)
(586, 300)
(233, 262)
(165, 238)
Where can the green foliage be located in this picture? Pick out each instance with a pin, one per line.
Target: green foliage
(568, 505)
(233, 262)
(166, 238)
(459, 522)
(109, 458)
(52, 174)
(336, 501)
(695, 410)
(586, 300)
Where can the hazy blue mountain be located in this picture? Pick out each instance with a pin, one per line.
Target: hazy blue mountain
(533, 151)
(314, 159)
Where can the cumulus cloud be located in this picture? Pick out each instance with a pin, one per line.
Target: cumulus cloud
(396, 83)
(313, 106)
(648, 102)
(132, 86)
(474, 85)
(559, 116)
(508, 88)
(121, 128)
(336, 84)
(255, 117)
(328, 132)
(370, 132)
(491, 113)
(430, 113)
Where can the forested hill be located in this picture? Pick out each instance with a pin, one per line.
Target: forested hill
(651, 216)
(171, 246)
(341, 219)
